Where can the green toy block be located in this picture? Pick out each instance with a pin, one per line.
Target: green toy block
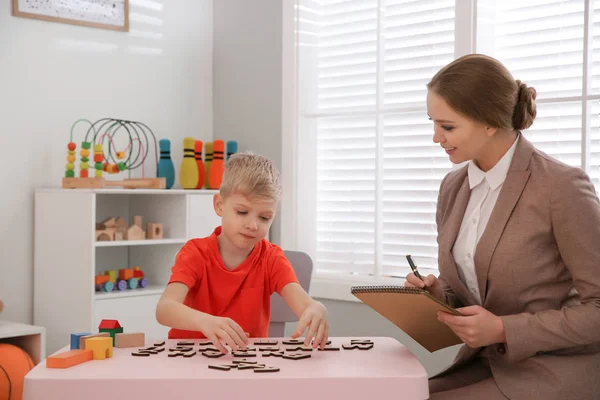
(112, 332)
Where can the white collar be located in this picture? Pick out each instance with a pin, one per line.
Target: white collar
(495, 176)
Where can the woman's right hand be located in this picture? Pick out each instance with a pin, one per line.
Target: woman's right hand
(429, 283)
(217, 329)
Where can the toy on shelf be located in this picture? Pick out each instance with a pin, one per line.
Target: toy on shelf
(201, 172)
(111, 229)
(217, 166)
(115, 228)
(109, 160)
(128, 278)
(208, 156)
(188, 174)
(154, 230)
(166, 168)
(232, 147)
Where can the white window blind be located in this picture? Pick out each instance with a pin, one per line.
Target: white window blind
(368, 171)
(363, 67)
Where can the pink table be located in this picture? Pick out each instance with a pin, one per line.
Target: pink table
(388, 370)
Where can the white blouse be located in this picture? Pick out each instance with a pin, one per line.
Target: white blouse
(485, 188)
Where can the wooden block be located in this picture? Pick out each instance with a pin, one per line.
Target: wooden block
(83, 183)
(124, 340)
(101, 346)
(69, 358)
(154, 230)
(75, 339)
(266, 342)
(267, 369)
(140, 354)
(84, 338)
(296, 356)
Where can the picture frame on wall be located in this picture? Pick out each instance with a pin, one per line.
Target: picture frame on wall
(103, 14)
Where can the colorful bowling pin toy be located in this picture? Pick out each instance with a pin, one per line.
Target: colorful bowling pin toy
(166, 169)
(200, 164)
(208, 156)
(232, 148)
(218, 164)
(188, 175)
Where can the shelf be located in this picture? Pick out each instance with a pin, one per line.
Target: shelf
(132, 191)
(116, 294)
(146, 242)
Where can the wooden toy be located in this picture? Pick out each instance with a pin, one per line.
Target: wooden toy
(166, 168)
(293, 341)
(75, 339)
(15, 364)
(135, 231)
(124, 340)
(159, 343)
(110, 160)
(154, 230)
(69, 358)
(242, 367)
(360, 341)
(242, 353)
(187, 343)
(127, 278)
(213, 354)
(244, 361)
(266, 369)
(220, 367)
(188, 173)
(140, 354)
(296, 356)
(217, 166)
(101, 346)
(200, 164)
(83, 339)
(232, 147)
(111, 326)
(269, 348)
(266, 342)
(273, 354)
(111, 229)
(299, 348)
(329, 348)
(208, 156)
(358, 346)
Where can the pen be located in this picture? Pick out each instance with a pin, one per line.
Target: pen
(413, 266)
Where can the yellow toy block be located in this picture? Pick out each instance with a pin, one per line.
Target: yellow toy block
(101, 346)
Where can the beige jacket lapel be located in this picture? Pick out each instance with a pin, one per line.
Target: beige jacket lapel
(511, 191)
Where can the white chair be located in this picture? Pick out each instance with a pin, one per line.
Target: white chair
(280, 312)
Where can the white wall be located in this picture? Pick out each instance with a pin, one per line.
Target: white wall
(247, 78)
(51, 74)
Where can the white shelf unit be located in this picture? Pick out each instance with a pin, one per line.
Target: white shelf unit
(67, 257)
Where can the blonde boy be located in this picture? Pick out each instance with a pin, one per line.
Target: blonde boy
(221, 285)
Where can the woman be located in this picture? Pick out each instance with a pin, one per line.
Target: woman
(519, 246)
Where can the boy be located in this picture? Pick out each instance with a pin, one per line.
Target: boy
(221, 285)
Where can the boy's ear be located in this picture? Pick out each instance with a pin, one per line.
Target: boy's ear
(218, 204)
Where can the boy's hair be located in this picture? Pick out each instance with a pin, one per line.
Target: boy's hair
(251, 175)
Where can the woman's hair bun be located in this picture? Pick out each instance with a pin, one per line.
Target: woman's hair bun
(525, 109)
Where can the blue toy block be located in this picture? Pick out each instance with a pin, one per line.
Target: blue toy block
(75, 339)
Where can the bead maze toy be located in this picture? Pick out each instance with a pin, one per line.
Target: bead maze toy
(106, 158)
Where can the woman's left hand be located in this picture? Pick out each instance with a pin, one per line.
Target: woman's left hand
(477, 327)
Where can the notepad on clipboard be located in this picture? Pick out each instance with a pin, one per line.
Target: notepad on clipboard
(413, 310)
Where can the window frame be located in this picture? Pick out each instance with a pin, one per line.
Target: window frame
(332, 286)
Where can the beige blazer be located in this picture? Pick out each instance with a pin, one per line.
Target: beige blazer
(538, 266)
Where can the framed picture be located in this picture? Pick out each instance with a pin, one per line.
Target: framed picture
(105, 14)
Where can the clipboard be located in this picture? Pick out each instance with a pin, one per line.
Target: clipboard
(413, 310)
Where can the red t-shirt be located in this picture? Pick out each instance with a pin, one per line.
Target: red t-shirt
(242, 294)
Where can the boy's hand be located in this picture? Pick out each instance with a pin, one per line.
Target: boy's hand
(315, 319)
(217, 329)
